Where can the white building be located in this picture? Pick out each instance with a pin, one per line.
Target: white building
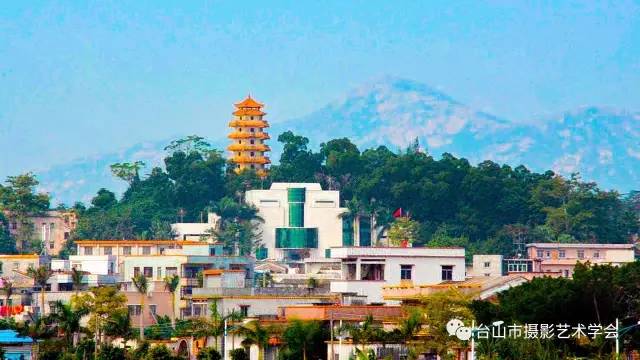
(195, 231)
(300, 220)
(366, 270)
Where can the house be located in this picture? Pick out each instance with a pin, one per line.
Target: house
(229, 292)
(195, 231)
(300, 221)
(366, 270)
(481, 287)
(563, 257)
(16, 347)
(52, 227)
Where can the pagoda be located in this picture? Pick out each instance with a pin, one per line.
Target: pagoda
(248, 148)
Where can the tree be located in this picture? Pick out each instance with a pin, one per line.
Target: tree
(67, 319)
(301, 339)
(106, 306)
(142, 285)
(160, 352)
(171, 284)
(40, 278)
(364, 333)
(20, 200)
(77, 277)
(209, 354)
(403, 230)
(255, 334)
(438, 309)
(239, 354)
(297, 162)
(7, 289)
(129, 172)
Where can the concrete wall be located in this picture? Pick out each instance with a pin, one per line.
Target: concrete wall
(480, 267)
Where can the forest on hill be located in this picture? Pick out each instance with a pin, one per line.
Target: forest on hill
(451, 202)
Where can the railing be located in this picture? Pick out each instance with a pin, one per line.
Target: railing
(262, 291)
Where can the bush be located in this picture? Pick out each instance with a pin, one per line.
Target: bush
(108, 352)
(209, 353)
(160, 353)
(239, 354)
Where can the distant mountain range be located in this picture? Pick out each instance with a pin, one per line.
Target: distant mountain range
(602, 144)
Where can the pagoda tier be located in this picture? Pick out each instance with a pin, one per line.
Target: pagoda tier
(248, 149)
(249, 123)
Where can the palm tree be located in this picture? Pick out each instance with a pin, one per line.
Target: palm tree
(76, 279)
(142, 285)
(171, 284)
(233, 318)
(255, 334)
(364, 333)
(68, 320)
(7, 289)
(410, 326)
(40, 277)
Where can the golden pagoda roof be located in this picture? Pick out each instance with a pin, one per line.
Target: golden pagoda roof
(248, 147)
(249, 123)
(249, 103)
(250, 160)
(248, 135)
(249, 112)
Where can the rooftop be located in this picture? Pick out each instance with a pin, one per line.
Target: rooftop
(580, 245)
(249, 103)
(140, 242)
(346, 252)
(12, 337)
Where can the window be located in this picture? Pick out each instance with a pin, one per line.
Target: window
(405, 272)
(351, 272)
(548, 254)
(88, 251)
(126, 250)
(51, 245)
(596, 254)
(136, 271)
(252, 141)
(253, 154)
(146, 250)
(153, 308)
(244, 310)
(580, 254)
(372, 272)
(0, 267)
(66, 235)
(108, 250)
(148, 272)
(487, 264)
(561, 254)
(159, 273)
(134, 310)
(253, 130)
(170, 271)
(539, 253)
(565, 273)
(447, 272)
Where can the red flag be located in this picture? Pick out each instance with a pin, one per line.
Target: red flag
(397, 213)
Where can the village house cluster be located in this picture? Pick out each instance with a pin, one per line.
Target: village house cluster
(313, 263)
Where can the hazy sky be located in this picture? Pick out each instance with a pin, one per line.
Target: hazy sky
(80, 79)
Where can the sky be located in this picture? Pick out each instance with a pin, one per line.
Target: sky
(78, 79)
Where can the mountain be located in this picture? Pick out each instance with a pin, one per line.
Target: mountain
(599, 143)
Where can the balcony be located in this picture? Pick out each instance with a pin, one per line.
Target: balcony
(189, 282)
(372, 289)
(261, 291)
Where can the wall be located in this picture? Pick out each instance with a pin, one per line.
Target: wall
(494, 268)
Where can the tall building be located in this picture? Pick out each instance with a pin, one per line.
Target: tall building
(300, 221)
(248, 148)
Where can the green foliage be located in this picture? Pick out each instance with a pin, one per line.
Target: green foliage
(160, 352)
(302, 339)
(451, 201)
(596, 295)
(109, 352)
(403, 229)
(209, 353)
(239, 354)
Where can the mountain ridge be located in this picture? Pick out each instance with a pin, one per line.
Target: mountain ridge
(596, 141)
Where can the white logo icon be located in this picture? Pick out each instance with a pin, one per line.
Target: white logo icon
(456, 327)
